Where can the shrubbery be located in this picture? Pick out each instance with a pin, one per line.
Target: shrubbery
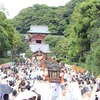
(5, 60)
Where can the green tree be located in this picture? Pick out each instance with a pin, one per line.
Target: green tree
(16, 44)
(6, 34)
(52, 40)
(29, 53)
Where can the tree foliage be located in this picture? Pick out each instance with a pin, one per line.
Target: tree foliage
(28, 53)
(85, 30)
(10, 39)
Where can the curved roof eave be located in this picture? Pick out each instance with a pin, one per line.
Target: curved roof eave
(54, 65)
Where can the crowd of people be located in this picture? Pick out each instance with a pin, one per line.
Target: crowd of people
(75, 85)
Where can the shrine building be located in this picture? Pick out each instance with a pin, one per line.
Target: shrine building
(36, 36)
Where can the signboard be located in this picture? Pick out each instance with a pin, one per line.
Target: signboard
(9, 53)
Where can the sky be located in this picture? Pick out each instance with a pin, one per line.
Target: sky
(15, 6)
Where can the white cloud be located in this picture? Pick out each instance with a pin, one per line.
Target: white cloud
(14, 6)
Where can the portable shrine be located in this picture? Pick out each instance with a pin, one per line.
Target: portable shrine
(54, 70)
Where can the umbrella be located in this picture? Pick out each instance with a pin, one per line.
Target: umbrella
(5, 89)
(25, 95)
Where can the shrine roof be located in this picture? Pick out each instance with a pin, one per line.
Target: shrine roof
(54, 65)
(42, 47)
(38, 29)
